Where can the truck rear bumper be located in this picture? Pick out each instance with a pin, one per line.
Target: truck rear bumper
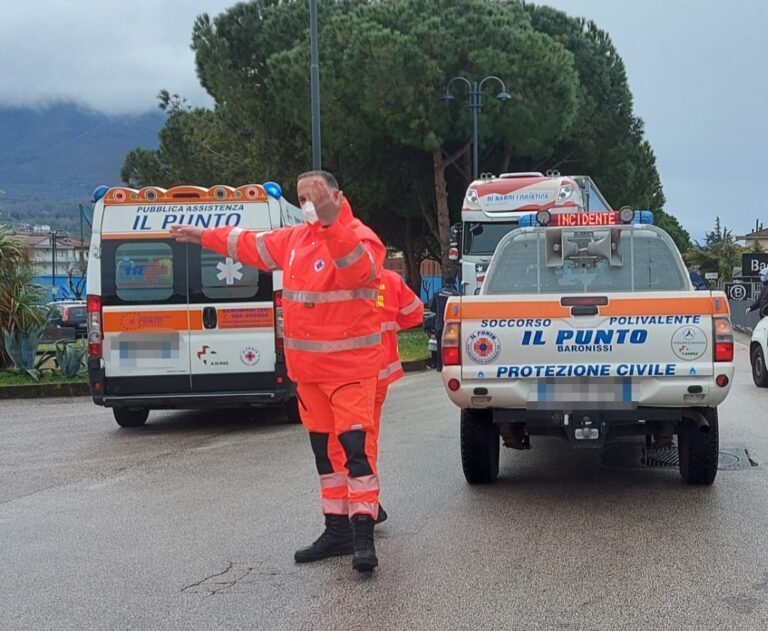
(596, 428)
(526, 394)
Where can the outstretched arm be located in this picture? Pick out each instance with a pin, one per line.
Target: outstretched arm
(264, 250)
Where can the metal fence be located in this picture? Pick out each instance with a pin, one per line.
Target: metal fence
(740, 318)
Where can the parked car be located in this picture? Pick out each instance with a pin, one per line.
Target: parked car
(758, 351)
(69, 314)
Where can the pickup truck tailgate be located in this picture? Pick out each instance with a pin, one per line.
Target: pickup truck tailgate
(626, 336)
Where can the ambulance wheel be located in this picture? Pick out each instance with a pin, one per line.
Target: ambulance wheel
(699, 451)
(479, 446)
(759, 372)
(130, 417)
(291, 409)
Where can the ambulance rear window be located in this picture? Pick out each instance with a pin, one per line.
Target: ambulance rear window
(223, 278)
(144, 272)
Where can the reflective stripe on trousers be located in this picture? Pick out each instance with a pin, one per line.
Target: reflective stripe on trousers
(364, 495)
(332, 346)
(329, 481)
(334, 493)
(389, 370)
(335, 507)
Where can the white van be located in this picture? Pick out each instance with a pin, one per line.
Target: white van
(171, 325)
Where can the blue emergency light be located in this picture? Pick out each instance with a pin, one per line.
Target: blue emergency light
(273, 189)
(99, 193)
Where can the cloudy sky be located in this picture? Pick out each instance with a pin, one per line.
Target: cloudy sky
(697, 69)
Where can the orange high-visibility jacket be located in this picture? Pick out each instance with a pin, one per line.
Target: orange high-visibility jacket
(332, 322)
(403, 309)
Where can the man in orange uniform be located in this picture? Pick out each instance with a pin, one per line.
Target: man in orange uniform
(402, 309)
(332, 333)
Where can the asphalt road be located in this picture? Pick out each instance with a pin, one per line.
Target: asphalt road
(191, 523)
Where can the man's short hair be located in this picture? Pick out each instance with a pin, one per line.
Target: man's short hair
(329, 178)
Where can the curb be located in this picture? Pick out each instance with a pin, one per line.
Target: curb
(82, 389)
(743, 329)
(46, 390)
(415, 366)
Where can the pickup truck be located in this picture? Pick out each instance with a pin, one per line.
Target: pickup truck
(588, 327)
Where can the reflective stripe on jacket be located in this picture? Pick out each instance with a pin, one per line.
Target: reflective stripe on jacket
(332, 324)
(403, 309)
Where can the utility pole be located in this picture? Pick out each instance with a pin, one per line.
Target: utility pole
(314, 76)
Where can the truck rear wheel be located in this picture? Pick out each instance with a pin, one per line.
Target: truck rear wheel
(479, 446)
(759, 373)
(130, 417)
(699, 450)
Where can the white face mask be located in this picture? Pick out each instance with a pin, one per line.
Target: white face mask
(310, 214)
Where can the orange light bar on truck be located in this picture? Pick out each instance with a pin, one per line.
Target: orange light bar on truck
(586, 219)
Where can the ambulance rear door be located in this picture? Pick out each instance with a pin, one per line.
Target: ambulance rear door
(232, 316)
(145, 313)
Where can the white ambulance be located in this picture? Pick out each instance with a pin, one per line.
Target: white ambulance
(171, 325)
(588, 328)
(494, 205)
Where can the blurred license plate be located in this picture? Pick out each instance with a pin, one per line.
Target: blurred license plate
(583, 393)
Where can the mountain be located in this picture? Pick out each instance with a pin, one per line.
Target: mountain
(52, 159)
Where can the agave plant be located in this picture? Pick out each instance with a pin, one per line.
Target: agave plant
(69, 358)
(22, 348)
(21, 299)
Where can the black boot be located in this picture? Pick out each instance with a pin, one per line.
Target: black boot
(364, 556)
(335, 541)
(382, 515)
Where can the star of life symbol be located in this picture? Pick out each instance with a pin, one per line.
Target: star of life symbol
(229, 270)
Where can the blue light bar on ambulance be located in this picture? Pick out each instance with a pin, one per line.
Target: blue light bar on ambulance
(99, 193)
(586, 219)
(273, 189)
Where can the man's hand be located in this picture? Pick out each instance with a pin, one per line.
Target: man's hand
(326, 206)
(188, 234)
(748, 310)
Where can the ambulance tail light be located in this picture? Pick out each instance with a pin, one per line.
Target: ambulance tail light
(95, 335)
(451, 347)
(723, 334)
(279, 343)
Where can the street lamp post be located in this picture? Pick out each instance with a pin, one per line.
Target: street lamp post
(314, 77)
(53, 236)
(476, 104)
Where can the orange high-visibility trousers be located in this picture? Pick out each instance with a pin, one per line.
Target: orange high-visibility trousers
(378, 404)
(340, 420)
